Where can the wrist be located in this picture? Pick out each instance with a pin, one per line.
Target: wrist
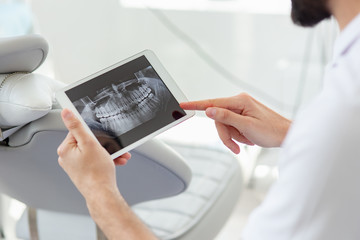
(115, 218)
(284, 128)
(98, 200)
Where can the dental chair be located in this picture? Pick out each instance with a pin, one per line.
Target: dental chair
(156, 182)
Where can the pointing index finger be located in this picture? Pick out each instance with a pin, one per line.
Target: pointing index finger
(204, 104)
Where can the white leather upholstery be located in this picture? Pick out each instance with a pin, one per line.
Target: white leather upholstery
(25, 97)
(22, 53)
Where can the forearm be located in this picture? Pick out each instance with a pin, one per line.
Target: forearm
(112, 214)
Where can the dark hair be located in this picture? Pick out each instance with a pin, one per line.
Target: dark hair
(308, 13)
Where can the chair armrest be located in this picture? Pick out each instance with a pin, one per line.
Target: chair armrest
(50, 122)
(30, 172)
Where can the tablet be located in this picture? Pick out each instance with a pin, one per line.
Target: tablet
(127, 103)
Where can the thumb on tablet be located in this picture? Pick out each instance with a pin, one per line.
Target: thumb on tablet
(74, 125)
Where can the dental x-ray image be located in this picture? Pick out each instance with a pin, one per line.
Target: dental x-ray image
(123, 106)
(118, 102)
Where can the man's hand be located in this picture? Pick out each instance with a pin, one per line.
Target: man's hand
(86, 162)
(243, 119)
(92, 170)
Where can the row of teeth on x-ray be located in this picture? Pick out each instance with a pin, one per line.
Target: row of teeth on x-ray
(114, 119)
(120, 124)
(121, 107)
(138, 98)
(123, 112)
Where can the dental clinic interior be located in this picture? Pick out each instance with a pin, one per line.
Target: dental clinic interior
(182, 183)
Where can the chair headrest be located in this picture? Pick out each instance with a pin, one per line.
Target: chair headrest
(22, 53)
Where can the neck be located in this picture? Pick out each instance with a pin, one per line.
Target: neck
(344, 11)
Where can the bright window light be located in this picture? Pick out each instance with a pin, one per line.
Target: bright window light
(252, 6)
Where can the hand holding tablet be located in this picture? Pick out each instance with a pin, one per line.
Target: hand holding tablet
(127, 103)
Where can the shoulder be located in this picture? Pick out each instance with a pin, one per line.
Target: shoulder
(342, 78)
(348, 65)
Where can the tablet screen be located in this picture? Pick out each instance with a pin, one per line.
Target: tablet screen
(125, 104)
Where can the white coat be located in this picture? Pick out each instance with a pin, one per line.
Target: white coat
(317, 196)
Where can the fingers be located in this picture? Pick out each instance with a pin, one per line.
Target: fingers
(66, 143)
(225, 136)
(74, 126)
(120, 161)
(228, 134)
(228, 117)
(196, 105)
(123, 159)
(230, 126)
(239, 137)
(204, 104)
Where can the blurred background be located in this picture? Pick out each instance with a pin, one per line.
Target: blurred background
(212, 48)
